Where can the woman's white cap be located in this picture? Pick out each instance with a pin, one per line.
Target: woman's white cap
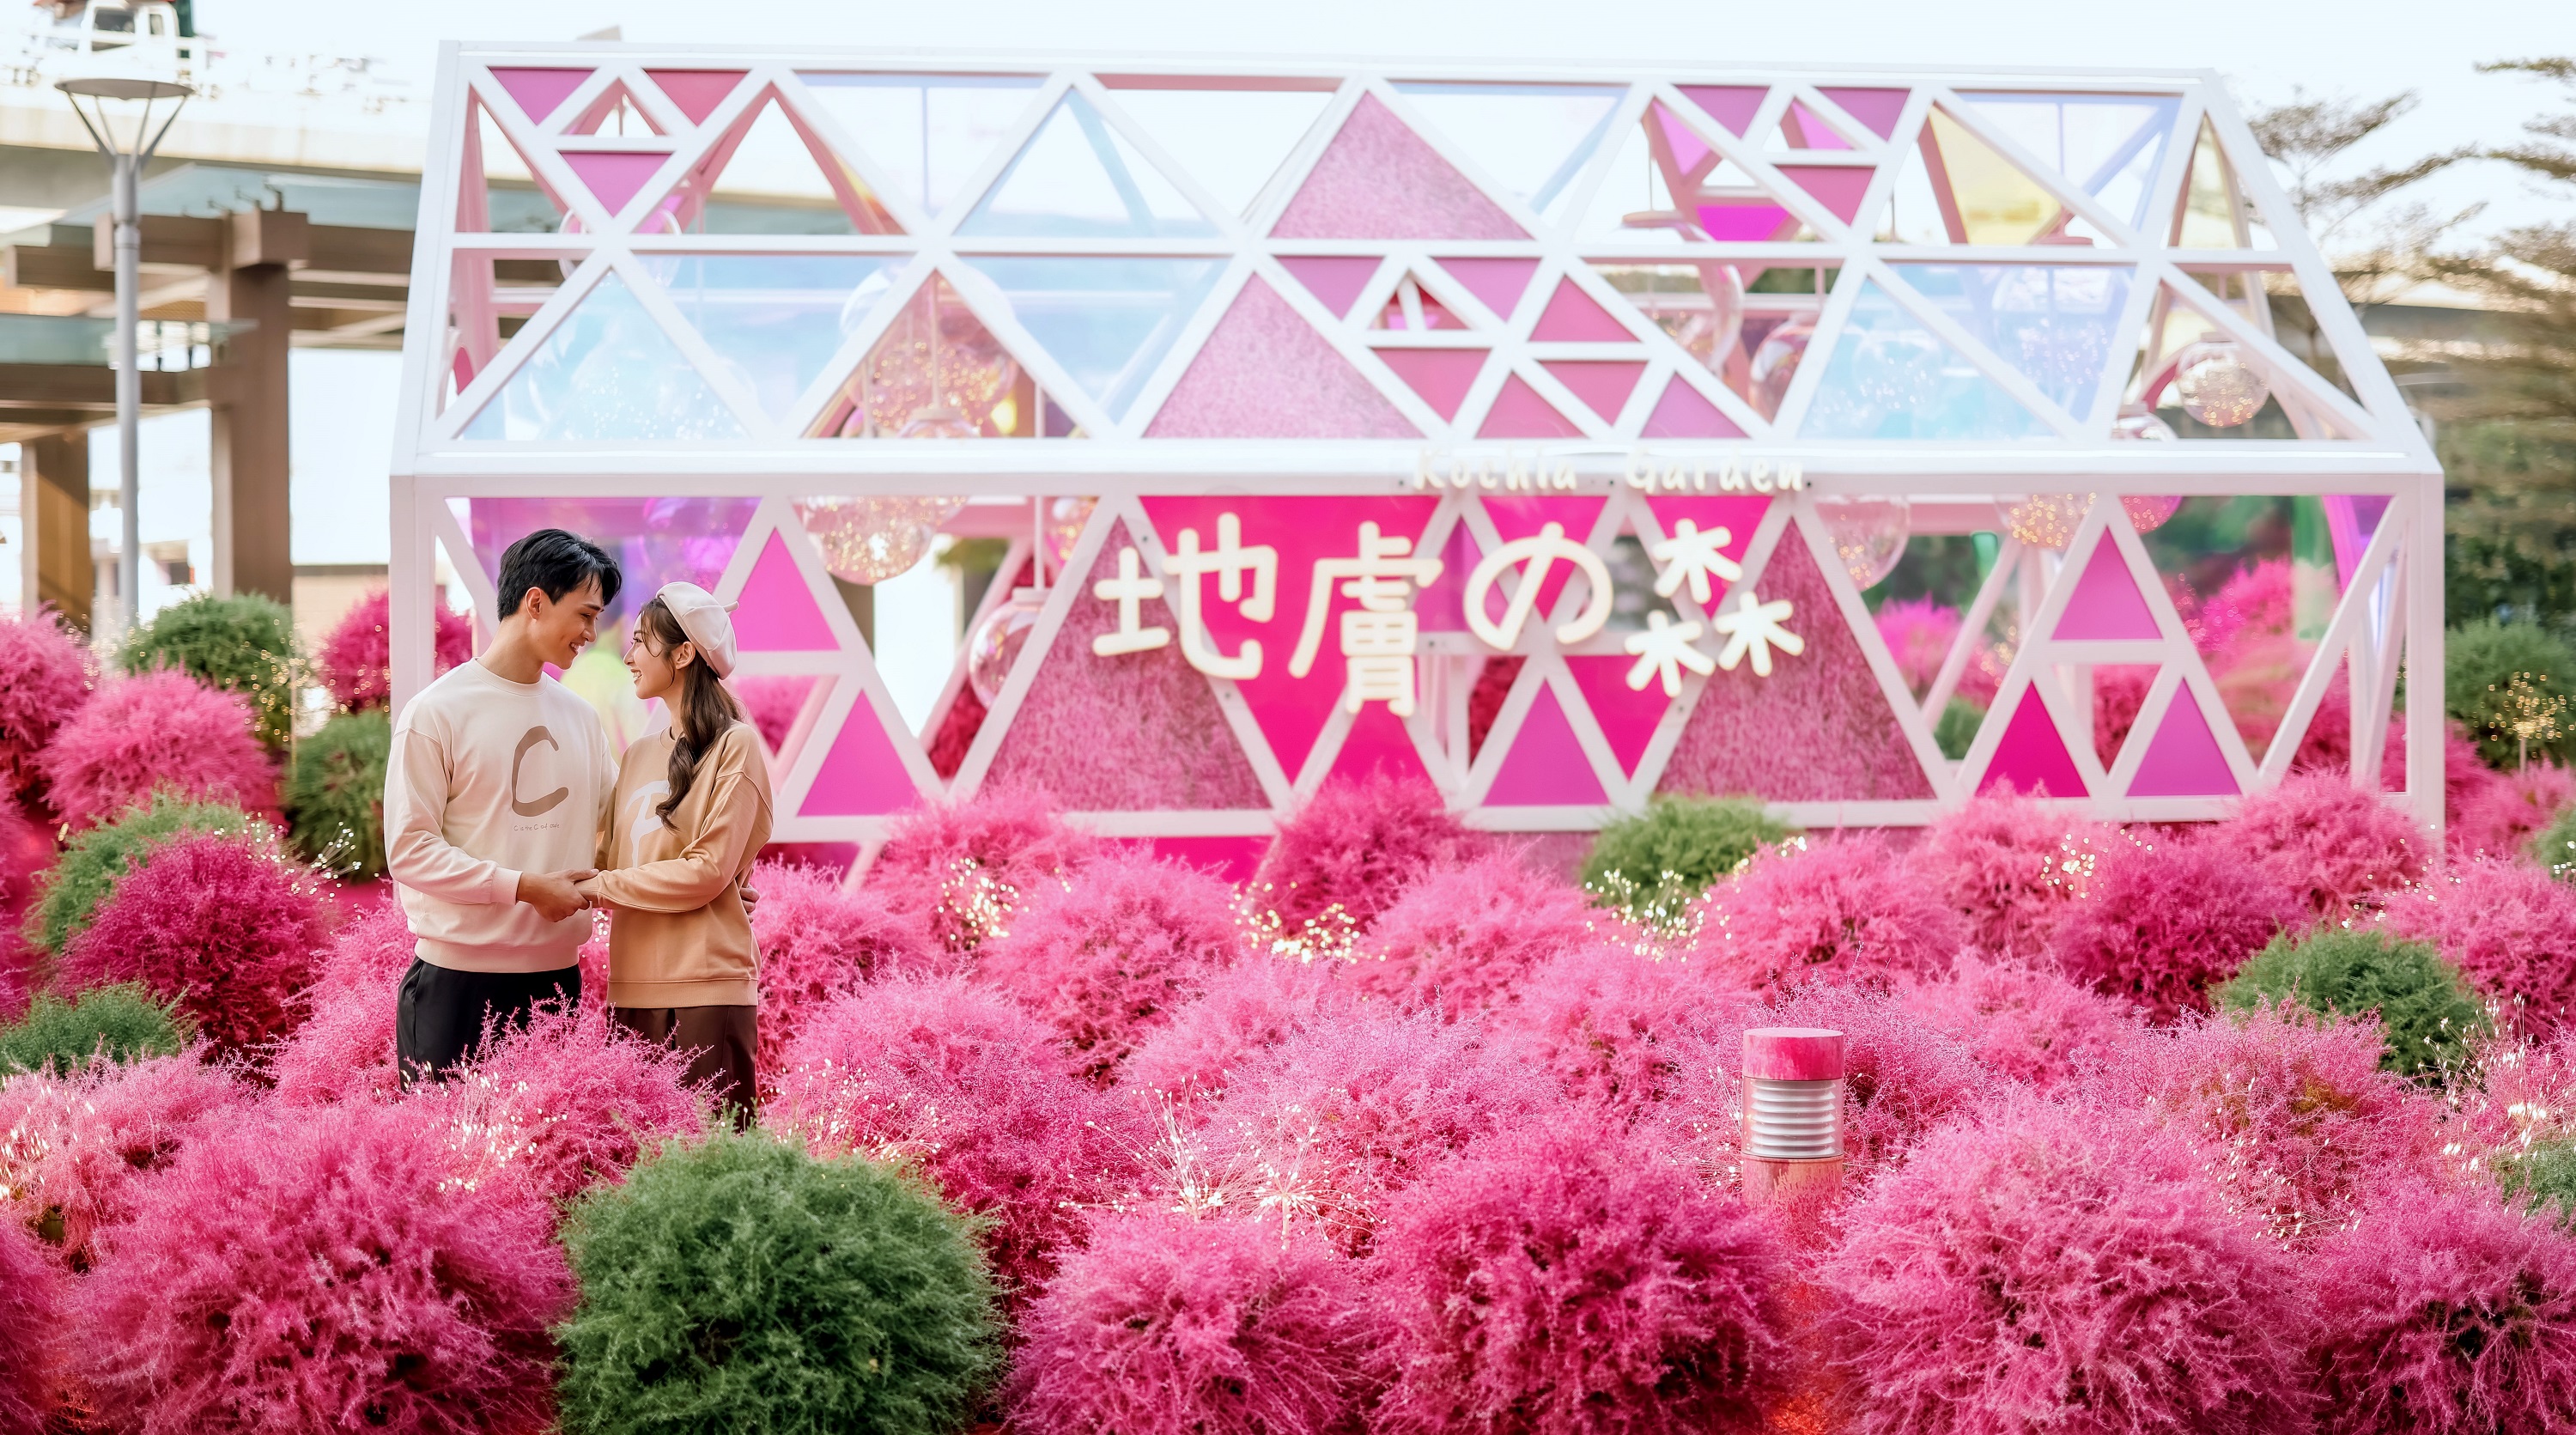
(704, 620)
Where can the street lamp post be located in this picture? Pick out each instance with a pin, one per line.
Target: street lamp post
(126, 155)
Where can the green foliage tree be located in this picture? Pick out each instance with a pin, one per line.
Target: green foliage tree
(2554, 846)
(741, 1284)
(120, 1023)
(2424, 1006)
(335, 793)
(1651, 865)
(2542, 1179)
(90, 868)
(243, 644)
(2493, 675)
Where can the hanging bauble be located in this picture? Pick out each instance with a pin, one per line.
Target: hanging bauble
(2149, 510)
(2139, 426)
(936, 421)
(2216, 385)
(1064, 520)
(1897, 372)
(1775, 364)
(1869, 534)
(996, 642)
(2047, 520)
(874, 538)
(1710, 335)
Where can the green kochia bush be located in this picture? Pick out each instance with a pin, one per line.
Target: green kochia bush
(2424, 1007)
(335, 793)
(243, 644)
(741, 1284)
(122, 1023)
(98, 857)
(2542, 1179)
(2479, 662)
(1675, 849)
(2555, 846)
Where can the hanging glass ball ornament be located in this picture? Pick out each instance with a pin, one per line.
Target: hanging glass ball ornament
(2216, 385)
(936, 421)
(1869, 534)
(2149, 510)
(2047, 520)
(1710, 334)
(996, 642)
(1065, 518)
(1897, 372)
(1775, 364)
(2140, 426)
(876, 537)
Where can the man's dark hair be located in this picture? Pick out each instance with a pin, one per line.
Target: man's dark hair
(555, 562)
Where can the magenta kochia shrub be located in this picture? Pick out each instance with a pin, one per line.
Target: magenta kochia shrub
(1561, 1280)
(1168, 1326)
(2013, 867)
(2025, 1020)
(2045, 1267)
(221, 925)
(322, 1271)
(1615, 1027)
(2333, 845)
(45, 676)
(1106, 957)
(32, 1288)
(567, 1102)
(1842, 909)
(1350, 848)
(76, 1148)
(2441, 1313)
(156, 732)
(355, 662)
(2508, 927)
(958, 870)
(2170, 917)
(1463, 940)
(820, 942)
(966, 1086)
(1255, 1004)
(345, 1048)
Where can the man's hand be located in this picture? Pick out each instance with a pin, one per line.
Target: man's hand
(750, 899)
(553, 893)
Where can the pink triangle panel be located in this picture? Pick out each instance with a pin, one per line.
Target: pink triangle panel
(1837, 187)
(1499, 283)
(1521, 516)
(1265, 373)
(2105, 604)
(1685, 412)
(1812, 128)
(1336, 279)
(1441, 376)
(862, 775)
(1546, 766)
(2032, 758)
(696, 92)
(1573, 317)
(1377, 745)
(2183, 759)
(1626, 716)
(1737, 222)
(1228, 859)
(1519, 412)
(540, 91)
(1602, 384)
(1875, 108)
(775, 612)
(1380, 180)
(1729, 105)
(613, 176)
(1687, 147)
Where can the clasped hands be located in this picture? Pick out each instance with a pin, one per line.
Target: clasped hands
(557, 895)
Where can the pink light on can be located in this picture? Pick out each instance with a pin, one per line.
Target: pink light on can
(1792, 1150)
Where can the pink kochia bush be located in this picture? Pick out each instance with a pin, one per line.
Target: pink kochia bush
(566, 1103)
(819, 943)
(965, 1085)
(2024, 1020)
(2443, 1314)
(44, 679)
(75, 1148)
(1901, 1080)
(2169, 917)
(1560, 1281)
(2497, 818)
(31, 1331)
(959, 870)
(345, 1049)
(1844, 909)
(2048, 1268)
(2507, 925)
(1249, 1007)
(157, 731)
(26, 851)
(1354, 846)
(1464, 940)
(2014, 867)
(1614, 1027)
(321, 1271)
(1107, 957)
(215, 923)
(2328, 841)
(1166, 1326)
(2299, 1123)
(356, 659)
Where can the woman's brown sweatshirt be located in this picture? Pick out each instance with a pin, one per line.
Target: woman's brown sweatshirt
(678, 936)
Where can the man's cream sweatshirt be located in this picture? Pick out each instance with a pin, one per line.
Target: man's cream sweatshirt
(488, 779)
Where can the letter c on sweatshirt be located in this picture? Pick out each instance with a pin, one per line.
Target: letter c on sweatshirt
(551, 800)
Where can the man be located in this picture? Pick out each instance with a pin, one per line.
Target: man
(495, 794)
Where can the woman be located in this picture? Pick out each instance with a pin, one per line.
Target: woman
(690, 813)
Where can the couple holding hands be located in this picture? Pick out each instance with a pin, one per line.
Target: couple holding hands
(507, 820)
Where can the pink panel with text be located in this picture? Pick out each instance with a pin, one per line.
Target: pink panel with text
(2032, 758)
(1380, 180)
(2183, 759)
(1738, 513)
(1546, 766)
(776, 612)
(1526, 516)
(2106, 604)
